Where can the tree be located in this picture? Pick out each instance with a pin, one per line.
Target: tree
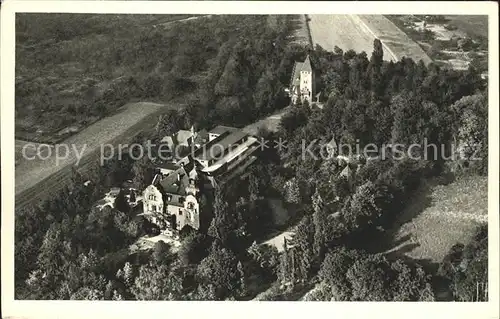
(109, 291)
(368, 278)
(223, 222)
(334, 269)
(377, 54)
(53, 260)
(358, 276)
(377, 84)
(141, 172)
(243, 279)
(292, 120)
(292, 191)
(408, 114)
(194, 248)
(219, 269)
(411, 283)
(161, 252)
(466, 268)
(169, 123)
(320, 229)
(367, 205)
(128, 273)
(153, 85)
(156, 282)
(303, 241)
(263, 95)
(86, 293)
(286, 271)
(266, 256)
(234, 79)
(471, 130)
(121, 202)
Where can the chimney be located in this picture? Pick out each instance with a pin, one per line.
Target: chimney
(178, 177)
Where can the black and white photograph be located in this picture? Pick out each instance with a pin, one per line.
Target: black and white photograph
(242, 156)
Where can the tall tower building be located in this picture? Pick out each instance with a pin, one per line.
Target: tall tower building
(302, 81)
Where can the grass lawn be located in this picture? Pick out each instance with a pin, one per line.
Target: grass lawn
(440, 218)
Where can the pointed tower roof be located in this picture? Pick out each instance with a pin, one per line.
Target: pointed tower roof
(306, 66)
(297, 68)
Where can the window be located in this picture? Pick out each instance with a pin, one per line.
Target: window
(180, 212)
(190, 205)
(153, 208)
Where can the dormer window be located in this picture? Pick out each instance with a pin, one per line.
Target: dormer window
(181, 200)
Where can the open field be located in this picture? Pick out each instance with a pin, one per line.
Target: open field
(476, 25)
(341, 30)
(435, 222)
(36, 178)
(394, 40)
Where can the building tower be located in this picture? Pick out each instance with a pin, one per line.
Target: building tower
(302, 81)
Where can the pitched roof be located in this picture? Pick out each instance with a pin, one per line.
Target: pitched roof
(306, 66)
(332, 143)
(175, 182)
(296, 73)
(297, 68)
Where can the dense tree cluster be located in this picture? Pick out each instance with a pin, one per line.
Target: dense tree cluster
(352, 275)
(76, 76)
(339, 201)
(465, 268)
(384, 104)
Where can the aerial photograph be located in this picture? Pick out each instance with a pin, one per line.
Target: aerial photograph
(231, 157)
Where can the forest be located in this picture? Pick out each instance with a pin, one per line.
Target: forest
(74, 69)
(65, 249)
